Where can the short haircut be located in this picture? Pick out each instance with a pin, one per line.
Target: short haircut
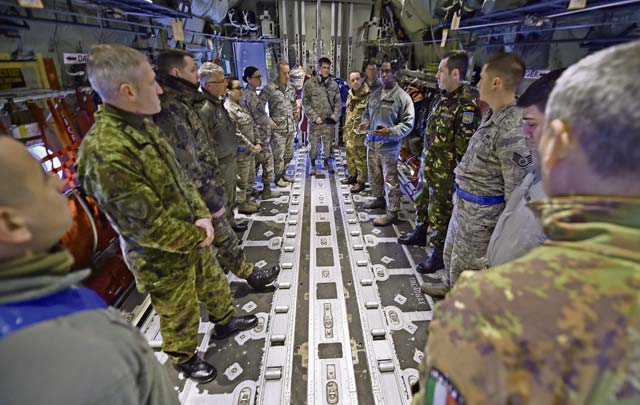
(324, 61)
(457, 60)
(371, 63)
(110, 65)
(538, 92)
(207, 70)
(282, 63)
(172, 58)
(395, 65)
(507, 66)
(230, 81)
(598, 99)
(356, 71)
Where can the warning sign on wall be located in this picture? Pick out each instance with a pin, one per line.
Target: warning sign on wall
(11, 78)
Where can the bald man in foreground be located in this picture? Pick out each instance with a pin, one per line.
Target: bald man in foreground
(60, 340)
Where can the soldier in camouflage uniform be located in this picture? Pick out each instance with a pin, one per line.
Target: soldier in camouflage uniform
(248, 147)
(452, 122)
(388, 118)
(323, 107)
(196, 153)
(165, 229)
(255, 107)
(559, 325)
(280, 98)
(496, 161)
(357, 102)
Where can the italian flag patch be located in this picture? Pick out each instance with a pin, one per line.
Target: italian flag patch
(440, 391)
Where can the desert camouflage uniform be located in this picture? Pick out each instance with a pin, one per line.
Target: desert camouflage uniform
(281, 101)
(559, 325)
(129, 169)
(496, 161)
(321, 99)
(255, 107)
(357, 102)
(246, 138)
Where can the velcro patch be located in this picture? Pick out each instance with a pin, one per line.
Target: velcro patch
(441, 391)
(522, 161)
(467, 117)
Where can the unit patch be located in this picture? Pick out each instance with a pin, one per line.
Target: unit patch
(467, 117)
(441, 391)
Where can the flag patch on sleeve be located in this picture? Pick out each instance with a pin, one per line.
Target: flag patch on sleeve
(441, 391)
(467, 117)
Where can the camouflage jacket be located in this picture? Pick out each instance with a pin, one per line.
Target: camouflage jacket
(395, 110)
(255, 107)
(450, 125)
(497, 157)
(321, 98)
(130, 170)
(357, 102)
(245, 132)
(219, 124)
(559, 325)
(375, 85)
(281, 102)
(187, 134)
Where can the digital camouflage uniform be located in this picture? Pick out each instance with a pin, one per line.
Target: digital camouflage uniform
(130, 170)
(450, 125)
(246, 136)
(321, 99)
(222, 131)
(557, 326)
(394, 110)
(255, 107)
(495, 163)
(281, 101)
(187, 133)
(357, 102)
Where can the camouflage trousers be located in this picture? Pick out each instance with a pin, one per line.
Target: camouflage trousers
(434, 206)
(282, 147)
(229, 170)
(194, 278)
(468, 237)
(264, 159)
(321, 135)
(356, 156)
(230, 253)
(246, 175)
(383, 176)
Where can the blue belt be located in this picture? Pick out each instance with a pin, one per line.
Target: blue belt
(479, 199)
(376, 138)
(241, 149)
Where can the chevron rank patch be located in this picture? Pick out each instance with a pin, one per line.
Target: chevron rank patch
(467, 117)
(522, 161)
(440, 391)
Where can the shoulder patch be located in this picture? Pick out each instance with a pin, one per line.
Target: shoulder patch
(441, 391)
(522, 161)
(467, 117)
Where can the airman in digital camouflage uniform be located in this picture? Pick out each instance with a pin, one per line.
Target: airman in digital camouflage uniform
(496, 161)
(165, 228)
(357, 101)
(255, 106)
(559, 325)
(280, 98)
(452, 122)
(248, 146)
(197, 154)
(323, 106)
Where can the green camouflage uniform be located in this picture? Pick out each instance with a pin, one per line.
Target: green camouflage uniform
(357, 102)
(321, 99)
(452, 122)
(196, 155)
(281, 101)
(495, 163)
(559, 325)
(246, 136)
(255, 106)
(127, 166)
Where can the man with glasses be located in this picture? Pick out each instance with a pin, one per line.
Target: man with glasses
(255, 106)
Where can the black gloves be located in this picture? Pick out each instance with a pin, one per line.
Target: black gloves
(330, 121)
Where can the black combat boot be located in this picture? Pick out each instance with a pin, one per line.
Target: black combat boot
(260, 278)
(349, 180)
(432, 263)
(312, 171)
(236, 324)
(358, 187)
(197, 369)
(328, 166)
(418, 237)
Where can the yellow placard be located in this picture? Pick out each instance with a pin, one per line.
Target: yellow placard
(577, 4)
(11, 78)
(445, 34)
(31, 3)
(178, 32)
(455, 22)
